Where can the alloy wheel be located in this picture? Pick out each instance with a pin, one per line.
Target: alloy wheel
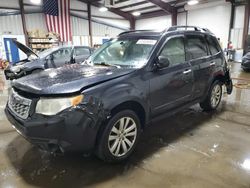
(122, 136)
(216, 96)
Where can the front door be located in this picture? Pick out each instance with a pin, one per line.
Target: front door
(81, 53)
(61, 57)
(12, 53)
(172, 86)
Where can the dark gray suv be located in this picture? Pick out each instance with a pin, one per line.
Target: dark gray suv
(103, 105)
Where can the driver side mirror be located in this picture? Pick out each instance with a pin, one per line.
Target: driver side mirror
(162, 62)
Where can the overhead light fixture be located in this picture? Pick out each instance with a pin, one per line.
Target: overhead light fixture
(103, 9)
(36, 2)
(136, 13)
(193, 2)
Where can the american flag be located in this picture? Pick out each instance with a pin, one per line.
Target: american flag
(57, 14)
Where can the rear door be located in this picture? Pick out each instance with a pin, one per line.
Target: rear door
(198, 56)
(172, 86)
(81, 53)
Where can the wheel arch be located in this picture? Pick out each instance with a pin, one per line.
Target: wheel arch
(134, 106)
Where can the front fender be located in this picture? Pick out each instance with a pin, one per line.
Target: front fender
(118, 91)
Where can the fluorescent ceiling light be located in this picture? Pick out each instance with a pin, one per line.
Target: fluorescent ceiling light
(136, 13)
(37, 2)
(103, 9)
(193, 2)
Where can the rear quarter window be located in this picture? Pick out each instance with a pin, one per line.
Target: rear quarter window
(213, 45)
(196, 47)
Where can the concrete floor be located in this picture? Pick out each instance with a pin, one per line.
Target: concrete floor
(190, 149)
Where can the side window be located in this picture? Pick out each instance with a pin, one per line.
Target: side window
(82, 51)
(174, 50)
(196, 47)
(213, 45)
(63, 53)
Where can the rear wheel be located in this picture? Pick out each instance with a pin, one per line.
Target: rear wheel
(213, 98)
(119, 137)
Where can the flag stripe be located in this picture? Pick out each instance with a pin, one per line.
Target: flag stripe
(58, 18)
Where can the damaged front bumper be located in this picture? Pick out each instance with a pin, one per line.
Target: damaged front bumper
(72, 130)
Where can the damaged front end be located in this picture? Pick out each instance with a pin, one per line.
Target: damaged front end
(73, 129)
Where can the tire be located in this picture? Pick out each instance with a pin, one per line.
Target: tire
(115, 144)
(213, 97)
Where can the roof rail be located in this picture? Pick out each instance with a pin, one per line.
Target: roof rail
(175, 28)
(132, 31)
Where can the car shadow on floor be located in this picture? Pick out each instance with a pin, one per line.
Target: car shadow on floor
(41, 169)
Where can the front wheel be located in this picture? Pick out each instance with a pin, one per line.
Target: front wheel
(119, 137)
(213, 98)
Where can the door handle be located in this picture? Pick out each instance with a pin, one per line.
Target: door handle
(212, 64)
(187, 71)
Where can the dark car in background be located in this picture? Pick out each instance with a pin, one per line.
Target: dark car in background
(103, 105)
(245, 64)
(50, 58)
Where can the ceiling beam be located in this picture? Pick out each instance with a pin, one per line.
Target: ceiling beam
(125, 15)
(132, 5)
(9, 8)
(164, 6)
(152, 14)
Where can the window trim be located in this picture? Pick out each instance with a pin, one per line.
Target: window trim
(208, 36)
(206, 44)
(165, 42)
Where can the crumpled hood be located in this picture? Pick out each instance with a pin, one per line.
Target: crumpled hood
(68, 79)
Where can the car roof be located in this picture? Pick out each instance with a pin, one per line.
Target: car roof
(172, 30)
(144, 33)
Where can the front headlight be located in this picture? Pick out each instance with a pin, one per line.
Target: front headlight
(51, 106)
(16, 68)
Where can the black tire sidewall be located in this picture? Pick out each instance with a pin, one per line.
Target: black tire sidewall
(103, 150)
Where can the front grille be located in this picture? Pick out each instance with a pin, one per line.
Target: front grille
(19, 105)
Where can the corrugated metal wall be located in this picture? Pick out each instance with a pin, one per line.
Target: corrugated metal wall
(103, 30)
(35, 21)
(79, 26)
(11, 25)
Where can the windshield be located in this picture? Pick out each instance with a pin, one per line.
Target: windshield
(131, 53)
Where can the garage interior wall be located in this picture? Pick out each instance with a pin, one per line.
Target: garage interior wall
(11, 27)
(103, 27)
(213, 16)
(161, 23)
(237, 31)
